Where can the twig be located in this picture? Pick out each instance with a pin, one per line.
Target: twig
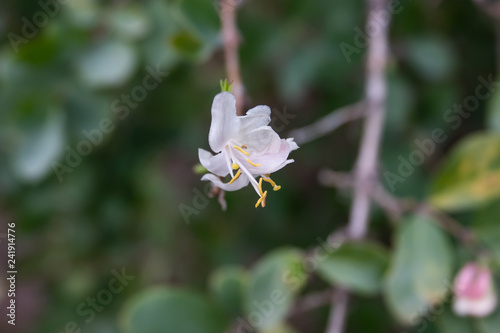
(492, 8)
(338, 312)
(230, 39)
(365, 173)
(311, 301)
(329, 123)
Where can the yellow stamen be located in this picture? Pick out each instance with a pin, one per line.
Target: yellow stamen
(244, 146)
(235, 176)
(260, 187)
(262, 200)
(273, 184)
(241, 150)
(235, 166)
(253, 164)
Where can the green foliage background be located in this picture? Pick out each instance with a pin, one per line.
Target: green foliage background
(120, 207)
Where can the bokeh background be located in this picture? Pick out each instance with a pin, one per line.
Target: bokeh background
(120, 207)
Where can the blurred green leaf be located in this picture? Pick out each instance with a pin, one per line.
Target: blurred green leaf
(186, 43)
(110, 64)
(171, 310)
(356, 266)
(420, 272)
(448, 322)
(39, 148)
(274, 282)
(228, 285)
(493, 112)
(487, 227)
(280, 328)
(432, 57)
(470, 176)
(490, 324)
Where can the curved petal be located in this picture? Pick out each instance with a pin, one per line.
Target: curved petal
(270, 162)
(257, 117)
(261, 140)
(225, 124)
(215, 164)
(239, 183)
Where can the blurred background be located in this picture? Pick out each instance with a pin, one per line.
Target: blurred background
(135, 80)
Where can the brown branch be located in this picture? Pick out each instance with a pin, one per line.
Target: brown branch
(338, 312)
(329, 123)
(230, 37)
(311, 301)
(365, 173)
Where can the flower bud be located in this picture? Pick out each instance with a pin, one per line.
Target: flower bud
(474, 291)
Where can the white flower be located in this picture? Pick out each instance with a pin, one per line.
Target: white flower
(246, 147)
(474, 291)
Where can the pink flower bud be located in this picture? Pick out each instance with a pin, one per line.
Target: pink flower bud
(474, 291)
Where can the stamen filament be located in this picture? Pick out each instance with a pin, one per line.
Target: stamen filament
(253, 164)
(235, 176)
(262, 200)
(241, 150)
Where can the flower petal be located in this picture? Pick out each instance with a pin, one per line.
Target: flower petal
(270, 162)
(225, 123)
(239, 183)
(215, 164)
(257, 117)
(260, 140)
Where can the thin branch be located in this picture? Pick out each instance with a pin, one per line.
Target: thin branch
(311, 302)
(338, 312)
(365, 173)
(230, 37)
(329, 123)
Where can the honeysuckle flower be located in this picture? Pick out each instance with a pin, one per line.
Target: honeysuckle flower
(245, 146)
(474, 291)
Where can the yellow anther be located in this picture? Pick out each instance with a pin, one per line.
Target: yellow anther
(241, 150)
(244, 146)
(273, 184)
(262, 200)
(253, 164)
(235, 166)
(235, 176)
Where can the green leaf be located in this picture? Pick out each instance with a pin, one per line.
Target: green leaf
(165, 309)
(186, 43)
(448, 322)
(432, 57)
(274, 282)
(108, 65)
(40, 147)
(421, 269)
(471, 174)
(493, 112)
(490, 324)
(228, 285)
(280, 328)
(356, 266)
(486, 227)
